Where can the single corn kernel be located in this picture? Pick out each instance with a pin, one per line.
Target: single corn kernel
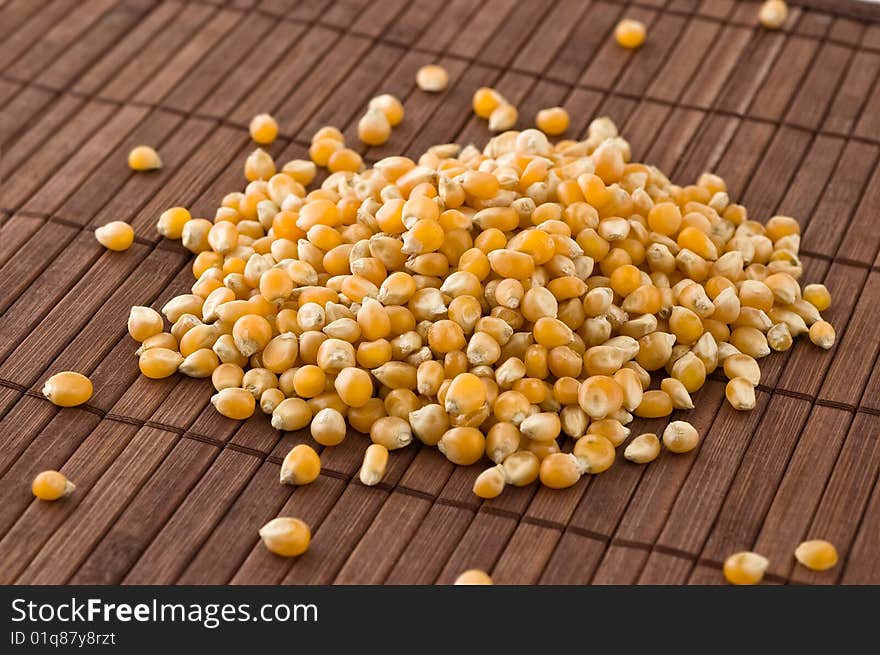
(390, 106)
(680, 437)
(51, 485)
(144, 322)
(144, 158)
(772, 14)
(463, 445)
(115, 235)
(485, 101)
(301, 466)
(745, 568)
(392, 432)
(68, 389)
(490, 483)
(643, 449)
(818, 296)
(291, 414)
(553, 121)
(287, 537)
(503, 118)
(432, 78)
(374, 128)
(560, 470)
(328, 427)
(375, 462)
(816, 554)
(822, 334)
(630, 33)
(740, 394)
(259, 165)
(172, 221)
(263, 129)
(594, 453)
(473, 577)
(235, 403)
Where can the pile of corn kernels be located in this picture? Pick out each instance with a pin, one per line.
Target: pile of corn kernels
(503, 302)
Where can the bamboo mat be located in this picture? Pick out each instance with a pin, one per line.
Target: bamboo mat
(171, 492)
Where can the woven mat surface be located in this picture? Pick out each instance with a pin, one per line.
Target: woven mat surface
(171, 492)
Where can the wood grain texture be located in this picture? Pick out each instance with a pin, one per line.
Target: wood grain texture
(171, 492)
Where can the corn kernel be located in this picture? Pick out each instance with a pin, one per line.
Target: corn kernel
(680, 437)
(432, 78)
(473, 577)
(263, 129)
(772, 14)
(630, 33)
(745, 568)
(144, 158)
(643, 449)
(68, 389)
(553, 121)
(301, 466)
(115, 235)
(51, 485)
(816, 555)
(287, 537)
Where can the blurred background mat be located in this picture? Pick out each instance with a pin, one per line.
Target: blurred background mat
(169, 491)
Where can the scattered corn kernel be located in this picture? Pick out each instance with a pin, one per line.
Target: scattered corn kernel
(553, 121)
(375, 462)
(144, 158)
(287, 537)
(643, 449)
(630, 33)
(263, 129)
(473, 577)
(680, 437)
(51, 485)
(432, 78)
(115, 235)
(301, 466)
(390, 106)
(68, 389)
(772, 14)
(816, 554)
(745, 568)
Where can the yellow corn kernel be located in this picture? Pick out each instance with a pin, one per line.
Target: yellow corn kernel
(690, 371)
(251, 333)
(643, 449)
(144, 322)
(227, 375)
(553, 121)
(600, 396)
(432, 78)
(677, 392)
(115, 235)
(234, 403)
(543, 426)
(270, 399)
(291, 414)
(373, 467)
(374, 128)
(287, 537)
(144, 158)
(772, 14)
(485, 101)
(816, 554)
(328, 427)
(263, 129)
(630, 33)
(259, 165)
(157, 363)
(680, 437)
(490, 483)
(280, 353)
(390, 106)
(354, 386)
(560, 470)
(822, 334)
(655, 404)
(745, 568)
(172, 221)
(51, 485)
(200, 363)
(521, 468)
(322, 149)
(463, 445)
(503, 117)
(818, 296)
(68, 389)
(466, 394)
(779, 337)
(473, 577)
(740, 394)
(161, 340)
(594, 453)
(751, 341)
(301, 466)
